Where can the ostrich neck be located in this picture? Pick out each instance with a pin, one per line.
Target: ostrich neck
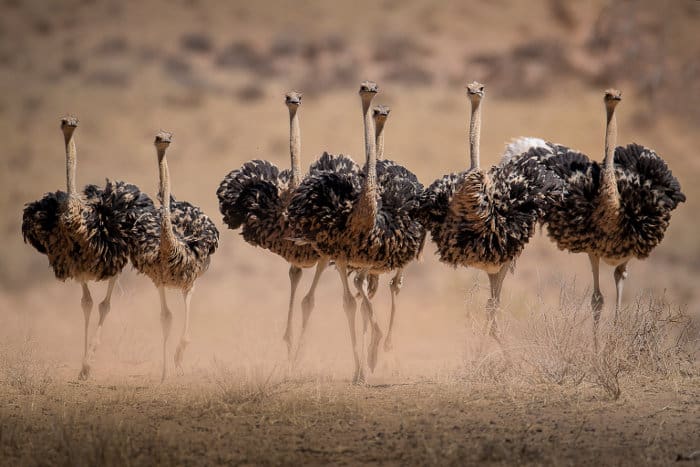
(379, 141)
(71, 162)
(365, 211)
(466, 199)
(474, 134)
(72, 217)
(610, 141)
(167, 238)
(294, 147)
(609, 197)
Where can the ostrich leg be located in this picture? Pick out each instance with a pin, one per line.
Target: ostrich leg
(620, 276)
(86, 303)
(104, 307)
(350, 306)
(360, 281)
(372, 285)
(597, 297)
(395, 287)
(496, 283)
(295, 274)
(307, 304)
(166, 321)
(185, 338)
(376, 335)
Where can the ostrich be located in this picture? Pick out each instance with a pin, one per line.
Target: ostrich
(484, 219)
(173, 246)
(613, 211)
(339, 214)
(256, 197)
(387, 170)
(85, 235)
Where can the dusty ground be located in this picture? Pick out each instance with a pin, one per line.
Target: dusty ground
(313, 421)
(215, 75)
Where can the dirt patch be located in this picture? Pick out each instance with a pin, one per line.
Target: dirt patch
(325, 422)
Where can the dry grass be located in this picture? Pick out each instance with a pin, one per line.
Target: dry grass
(651, 340)
(21, 370)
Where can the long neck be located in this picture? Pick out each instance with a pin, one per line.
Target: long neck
(365, 211)
(370, 187)
(166, 228)
(294, 147)
(608, 209)
(379, 140)
(466, 197)
(474, 133)
(72, 219)
(610, 140)
(71, 162)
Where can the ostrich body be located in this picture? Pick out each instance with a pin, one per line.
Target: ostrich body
(348, 218)
(391, 180)
(613, 211)
(173, 247)
(484, 218)
(86, 236)
(255, 198)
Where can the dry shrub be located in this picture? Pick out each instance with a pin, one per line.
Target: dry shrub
(109, 77)
(243, 55)
(112, 47)
(196, 42)
(21, 369)
(651, 339)
(250, 92)
(554, 337)
(241, 386)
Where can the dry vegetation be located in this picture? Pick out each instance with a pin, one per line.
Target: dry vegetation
(548, 399)
(215, 74)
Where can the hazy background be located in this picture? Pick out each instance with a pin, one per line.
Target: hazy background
(215, 74)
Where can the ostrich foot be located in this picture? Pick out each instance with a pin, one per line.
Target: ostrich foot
(388, 346)
(84, 372)
(359, 378)
(374, 348)
(288, 341)
(179, 352)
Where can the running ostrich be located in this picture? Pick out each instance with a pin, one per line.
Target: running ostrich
(173, 246)
(484, 219)
(386, 171)
(339, 214)
(613, 211)
(255, 197)
(85, 235)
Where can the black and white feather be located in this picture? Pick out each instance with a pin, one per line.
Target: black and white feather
(321, 211)
(648, 193)
(93, 246)
(495, 214)
(197, 239)
(254, 198)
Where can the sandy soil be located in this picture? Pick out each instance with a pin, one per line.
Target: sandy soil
(215, 75)
(315, 421)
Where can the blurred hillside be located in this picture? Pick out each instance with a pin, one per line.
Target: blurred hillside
(215, 73)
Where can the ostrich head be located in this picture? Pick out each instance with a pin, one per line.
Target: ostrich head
(381, 113)
(475, 91)
(68, 125)
(612, 97)
(162, 141)
(368, 89)
(293, 99)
